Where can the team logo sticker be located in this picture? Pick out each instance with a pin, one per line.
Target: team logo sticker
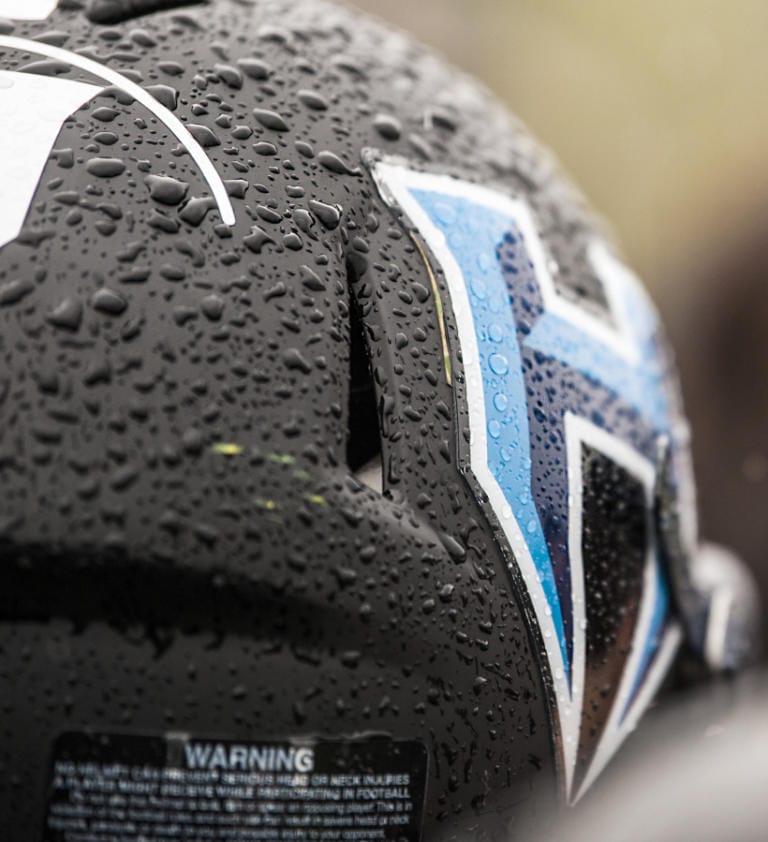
(567, 400)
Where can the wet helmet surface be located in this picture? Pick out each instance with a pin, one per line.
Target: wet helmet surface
(345, 481)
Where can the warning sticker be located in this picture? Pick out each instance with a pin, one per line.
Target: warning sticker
(128, 788)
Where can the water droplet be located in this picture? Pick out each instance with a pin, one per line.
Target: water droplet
(107, 301)
(499, 364)
(388, 127)
(67, 315)
(270, 119)
(105, 167)
(166, 190)
(313, 100)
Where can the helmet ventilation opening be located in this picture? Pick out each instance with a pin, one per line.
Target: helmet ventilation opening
(364, 455)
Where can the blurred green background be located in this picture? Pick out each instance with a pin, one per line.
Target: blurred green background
(659, 112)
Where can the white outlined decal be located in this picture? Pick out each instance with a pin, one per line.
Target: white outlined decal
(463, 224)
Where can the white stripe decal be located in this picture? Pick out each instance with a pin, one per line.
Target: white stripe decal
(453, 217)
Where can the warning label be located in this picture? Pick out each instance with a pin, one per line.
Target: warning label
(127, 788)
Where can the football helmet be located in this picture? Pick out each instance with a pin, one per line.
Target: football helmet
(346, 487)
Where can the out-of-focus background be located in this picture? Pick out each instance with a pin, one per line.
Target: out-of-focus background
(659, 111)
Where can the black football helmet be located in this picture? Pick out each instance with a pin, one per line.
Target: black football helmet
(346, 491)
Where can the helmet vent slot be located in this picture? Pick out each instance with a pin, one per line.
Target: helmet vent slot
(364, 456)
